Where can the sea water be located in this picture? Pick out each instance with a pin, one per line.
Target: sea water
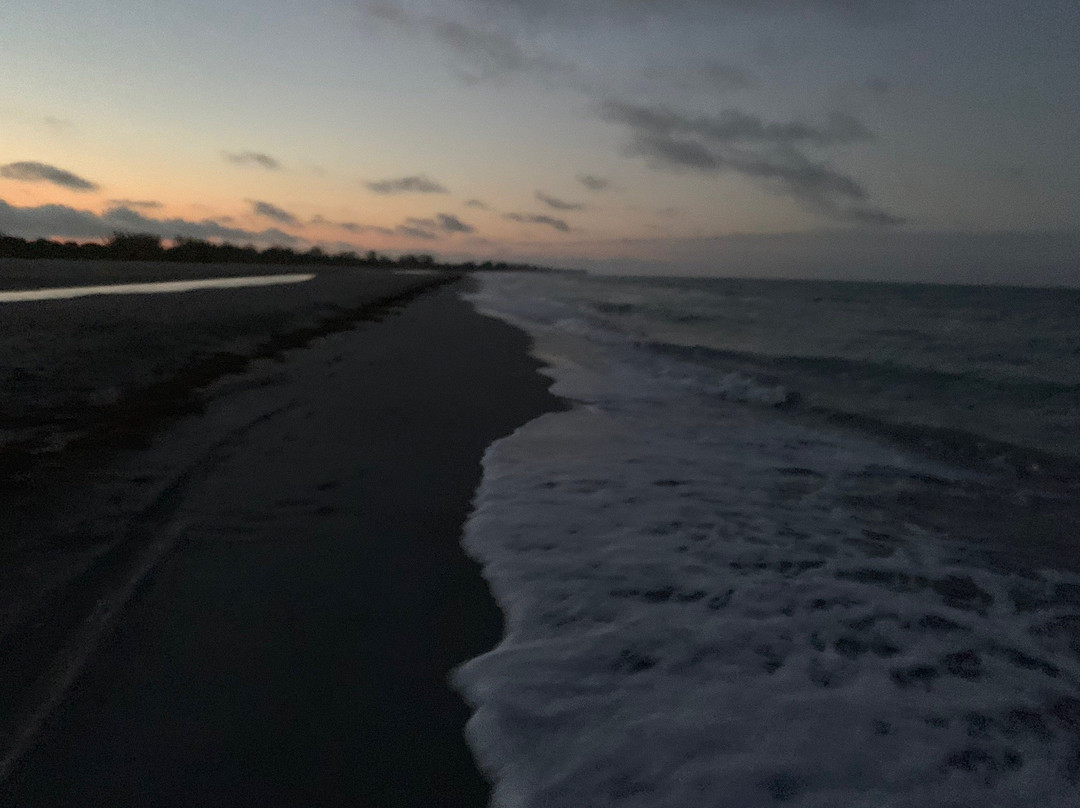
(812, 543)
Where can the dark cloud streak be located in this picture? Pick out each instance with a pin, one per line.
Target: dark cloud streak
(484, 53)
(31, 171)
(352, 227)
(452, 224)
(550, 221)
(735, 126)
(274, 212)
(416, 232)
(859, 11)
(594, 183)
(773, 153)
(443, 222)
(253, 158)
(712, 75)
(143, 204)
(418, 183)
(558, 204)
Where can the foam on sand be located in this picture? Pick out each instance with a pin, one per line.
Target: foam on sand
(710, 604)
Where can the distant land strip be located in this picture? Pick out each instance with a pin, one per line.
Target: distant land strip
(149, 247)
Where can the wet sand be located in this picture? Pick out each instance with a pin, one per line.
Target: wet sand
(298, 594)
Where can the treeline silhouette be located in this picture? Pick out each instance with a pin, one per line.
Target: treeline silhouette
(149, 247)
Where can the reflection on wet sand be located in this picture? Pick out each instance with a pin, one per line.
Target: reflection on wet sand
(164, 287)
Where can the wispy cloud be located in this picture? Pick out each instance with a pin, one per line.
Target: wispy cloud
(594, 183)
(489, 52)
(774, 153)
(62, 221)
(476, 203)
(273, 212)
(430, 228)
(30, 171)
(353, 227)
(482, 52)
(418, 228)
(558, 224)
(142, 204)
(418, 183)
(251, 158)
(452, 224)
(558, 204)
(712, 75)
(561, 11)
(732, 126)
(58, 124)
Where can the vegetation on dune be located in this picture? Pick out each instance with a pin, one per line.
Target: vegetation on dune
(149, 247)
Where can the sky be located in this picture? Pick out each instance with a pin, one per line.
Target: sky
(795, 137)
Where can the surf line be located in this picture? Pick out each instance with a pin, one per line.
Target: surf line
(157, 288)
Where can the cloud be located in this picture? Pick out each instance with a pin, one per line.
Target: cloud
(484, 52)
(735, 126)
(58, 124)
(594, 183)
(30, 171)
(353, 227)
(273, 212)
(253, 158)
(144, 204)
(476, 203)
(863, 11)
(61, 221)
(429, 228)
(416, 232)
(558, 204)
(452, 224)
(419, 183)
(772, 153)
(712, 75)
(558, 224)
(489, 52)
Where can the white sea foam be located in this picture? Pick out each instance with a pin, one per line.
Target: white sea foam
(709, 605)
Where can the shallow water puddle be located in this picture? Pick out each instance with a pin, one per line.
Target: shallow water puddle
(158, 288)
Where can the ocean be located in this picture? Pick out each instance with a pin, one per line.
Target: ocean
(791, 542)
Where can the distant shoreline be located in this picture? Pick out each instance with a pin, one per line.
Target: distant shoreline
(149, 247)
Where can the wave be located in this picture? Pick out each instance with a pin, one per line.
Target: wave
(762, 380)
(989, 420)
(869, 370)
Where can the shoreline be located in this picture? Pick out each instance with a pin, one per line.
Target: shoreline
(469, 381)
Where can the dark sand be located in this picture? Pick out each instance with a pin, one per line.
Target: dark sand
(65, 363)
(305, 594)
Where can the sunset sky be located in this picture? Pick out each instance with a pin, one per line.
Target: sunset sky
(548, 130)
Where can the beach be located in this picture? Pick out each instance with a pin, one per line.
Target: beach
(736, 542)
(247, 586)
